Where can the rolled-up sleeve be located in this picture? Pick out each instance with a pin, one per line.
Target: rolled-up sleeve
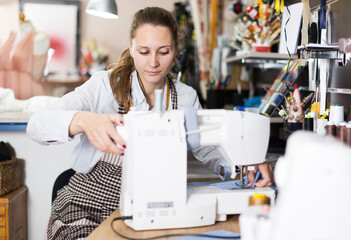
(209, 156)
(213, 161)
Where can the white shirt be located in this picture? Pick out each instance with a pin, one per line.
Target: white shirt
(51, 125)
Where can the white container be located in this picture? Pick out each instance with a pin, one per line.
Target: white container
(336, 114)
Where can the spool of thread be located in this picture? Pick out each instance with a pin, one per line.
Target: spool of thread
(330, 129)
(341, 131)
(267, 109)
(276, 99)
(308, 123)
(259, 199)
(336, 114)
(276, 85)
(326, 114)
(348, 134)
(321, 124)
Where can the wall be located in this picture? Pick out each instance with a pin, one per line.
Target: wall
(110, 34)
(42, 164)
(114, 34)
(8, 18)
(340, 76)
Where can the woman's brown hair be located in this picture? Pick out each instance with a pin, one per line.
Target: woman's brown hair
(120, 75)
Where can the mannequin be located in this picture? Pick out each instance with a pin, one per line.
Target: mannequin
(22, 61)
(41, 41)
(41, 44)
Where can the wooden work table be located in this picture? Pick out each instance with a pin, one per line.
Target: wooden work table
(104, 231)
(196, 172)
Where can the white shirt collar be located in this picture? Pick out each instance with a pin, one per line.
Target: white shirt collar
(138, 98)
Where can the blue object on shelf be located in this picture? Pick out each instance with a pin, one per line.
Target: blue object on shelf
(252, 102)
(17, 126)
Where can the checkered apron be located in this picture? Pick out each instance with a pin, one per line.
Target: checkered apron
(89, 199)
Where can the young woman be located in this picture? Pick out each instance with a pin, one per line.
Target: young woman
(93, 110)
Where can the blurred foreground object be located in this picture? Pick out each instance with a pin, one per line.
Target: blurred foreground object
(314, 183)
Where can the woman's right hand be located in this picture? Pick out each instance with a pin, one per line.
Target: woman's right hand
(100, 130)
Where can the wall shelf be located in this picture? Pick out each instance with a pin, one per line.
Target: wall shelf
(248, 57)
(320, 51)
(339, 90)
(332, 55)
(263, 60)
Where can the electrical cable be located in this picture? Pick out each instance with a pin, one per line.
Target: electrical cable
(166, 235)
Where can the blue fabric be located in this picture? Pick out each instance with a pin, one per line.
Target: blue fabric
(252, 102)
(228, 185)
(218, 233)
(192, 140)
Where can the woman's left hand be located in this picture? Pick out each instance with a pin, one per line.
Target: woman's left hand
(267, 175)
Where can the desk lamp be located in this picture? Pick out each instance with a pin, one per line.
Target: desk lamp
(102, 8)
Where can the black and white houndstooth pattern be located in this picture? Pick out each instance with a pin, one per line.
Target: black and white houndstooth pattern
(87, 200)
(174, 99)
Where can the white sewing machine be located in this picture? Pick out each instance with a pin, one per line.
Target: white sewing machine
(154, 176)
(314, 182)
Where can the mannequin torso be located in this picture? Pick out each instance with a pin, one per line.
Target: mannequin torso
(23, 59)
(41, 41)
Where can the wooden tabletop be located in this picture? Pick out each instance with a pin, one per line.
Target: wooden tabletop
(104, 231)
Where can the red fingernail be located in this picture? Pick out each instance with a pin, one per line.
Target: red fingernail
(124, 146)
(122, 154)
(121, 122)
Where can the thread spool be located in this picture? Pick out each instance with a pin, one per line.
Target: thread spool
(267, 109)
(330, 129)
(348, 134)
(277, 86)
(259, 199)
(276, 99)
(321, 126)
(341, 131)
(336, 114)
(308, 123)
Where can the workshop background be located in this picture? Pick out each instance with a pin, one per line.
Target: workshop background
(209, 36)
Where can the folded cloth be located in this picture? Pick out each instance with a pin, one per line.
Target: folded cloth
(229, 185)
(8, 102)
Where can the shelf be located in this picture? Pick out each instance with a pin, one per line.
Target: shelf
(14, 117)
(332, 55)
(276, 120)
(315, 54)
(320, 51)
(65, 78)
(339, 90)
(259, 58)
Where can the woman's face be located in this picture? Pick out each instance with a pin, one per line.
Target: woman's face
(153, 51)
